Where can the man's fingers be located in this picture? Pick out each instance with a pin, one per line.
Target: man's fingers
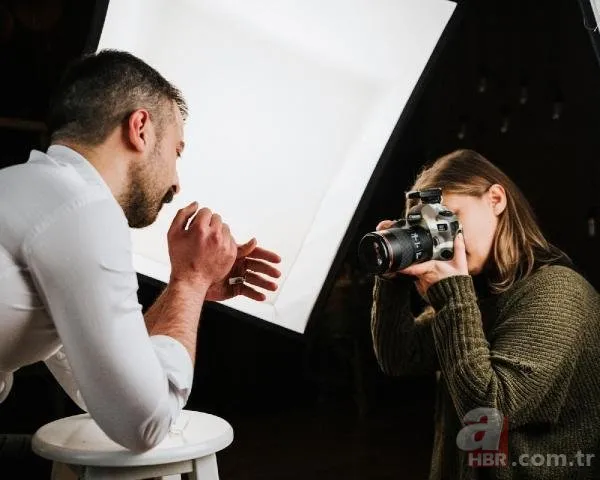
(268, 255)
(202, 218)
(251, 248)
(247, 248)
(259, 281)
(215, 220)
(262, 267)
(226, 231)
(183, 216)
(234, 245)
(249, 292)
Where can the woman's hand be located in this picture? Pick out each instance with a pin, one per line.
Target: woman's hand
(431, 272)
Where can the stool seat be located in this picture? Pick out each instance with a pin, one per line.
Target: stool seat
(78, 440)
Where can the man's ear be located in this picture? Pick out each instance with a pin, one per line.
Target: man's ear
(138, 129)
(497, 196)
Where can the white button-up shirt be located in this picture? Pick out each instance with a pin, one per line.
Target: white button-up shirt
(68, 297)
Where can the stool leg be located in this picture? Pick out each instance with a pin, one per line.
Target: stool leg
(62, 471)
(205, 468)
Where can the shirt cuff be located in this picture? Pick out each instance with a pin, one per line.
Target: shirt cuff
(176, 363)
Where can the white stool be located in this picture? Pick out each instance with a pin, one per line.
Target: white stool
(79, 449)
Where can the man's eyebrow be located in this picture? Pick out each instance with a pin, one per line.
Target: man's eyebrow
(181, 146)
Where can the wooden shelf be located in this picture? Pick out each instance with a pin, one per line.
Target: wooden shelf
(21, 124)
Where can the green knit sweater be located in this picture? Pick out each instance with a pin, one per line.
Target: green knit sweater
(532, 352)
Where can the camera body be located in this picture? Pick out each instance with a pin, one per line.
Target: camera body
(426, 233)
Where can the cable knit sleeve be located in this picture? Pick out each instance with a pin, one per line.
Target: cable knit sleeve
(403, 344)
(525, 367)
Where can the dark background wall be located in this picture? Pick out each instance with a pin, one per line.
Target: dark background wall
(516, 80)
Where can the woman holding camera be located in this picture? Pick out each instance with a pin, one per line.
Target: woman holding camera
(511, 327)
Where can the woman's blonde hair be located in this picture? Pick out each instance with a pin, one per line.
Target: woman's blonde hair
(519, 245)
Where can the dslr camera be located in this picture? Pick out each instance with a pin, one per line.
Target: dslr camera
(427, 233)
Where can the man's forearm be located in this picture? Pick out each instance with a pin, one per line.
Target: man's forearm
(176, 313)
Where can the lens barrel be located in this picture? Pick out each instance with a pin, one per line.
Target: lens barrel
(394, 249)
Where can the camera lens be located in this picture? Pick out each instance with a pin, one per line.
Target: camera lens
(394, 249)
(374, 253)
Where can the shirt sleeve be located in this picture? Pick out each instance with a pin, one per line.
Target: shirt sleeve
(403, 344)
(60, 368)
(80, 259)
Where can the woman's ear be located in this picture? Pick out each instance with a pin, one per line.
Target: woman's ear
(497, 196)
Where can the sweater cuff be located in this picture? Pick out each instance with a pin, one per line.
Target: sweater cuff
(456, 289)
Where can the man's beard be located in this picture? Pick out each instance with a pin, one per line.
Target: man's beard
(144, 199)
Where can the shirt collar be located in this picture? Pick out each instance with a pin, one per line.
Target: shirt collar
(65, 155)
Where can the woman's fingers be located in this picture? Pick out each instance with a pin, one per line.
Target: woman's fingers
(384, 224)
(460, 254)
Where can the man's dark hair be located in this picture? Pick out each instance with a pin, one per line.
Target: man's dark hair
(99, 91)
